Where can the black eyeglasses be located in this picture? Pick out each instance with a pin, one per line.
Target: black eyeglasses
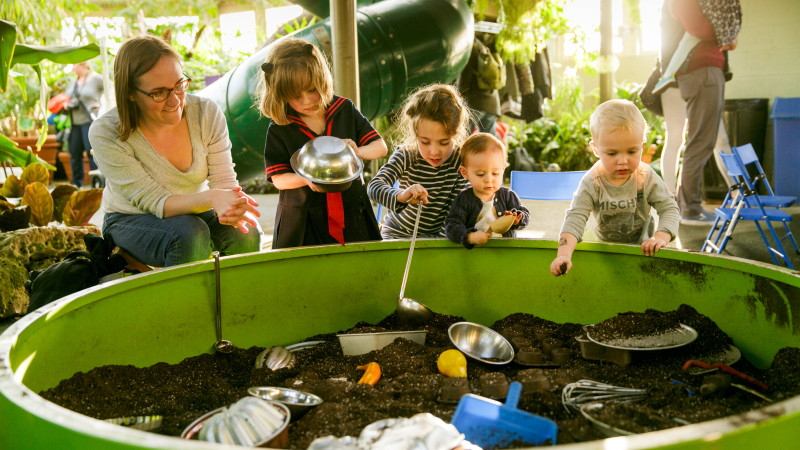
(160, 95)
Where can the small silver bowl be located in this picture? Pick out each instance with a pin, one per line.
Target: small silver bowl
(328, 162)
(481, 343)
(298, 402)
(250, 422)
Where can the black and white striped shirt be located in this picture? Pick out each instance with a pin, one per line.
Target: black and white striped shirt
(443, 183)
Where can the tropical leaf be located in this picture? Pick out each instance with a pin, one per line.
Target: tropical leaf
(61, 195)
(61, 54)
(81, 206)
(9, 152)
(13, 187)
(35, 172)
(5, 205)
(41, 203)
(8, 37)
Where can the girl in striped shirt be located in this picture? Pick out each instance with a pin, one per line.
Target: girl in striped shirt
(433, 125)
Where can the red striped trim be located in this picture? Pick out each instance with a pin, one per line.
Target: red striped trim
(330, 127)
(308, 133)
(276, 168)
(367, 137)
(334, 107)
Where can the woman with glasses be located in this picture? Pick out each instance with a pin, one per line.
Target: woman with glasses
(171, 194)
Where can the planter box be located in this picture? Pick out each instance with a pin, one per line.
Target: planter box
(64, 158)
(49, 150)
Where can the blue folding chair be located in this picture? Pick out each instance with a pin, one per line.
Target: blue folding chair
(748, 158)
(736, 207)
(545, 185)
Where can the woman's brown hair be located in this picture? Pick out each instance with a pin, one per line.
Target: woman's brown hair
(292, 66)
(135, 58)
(440, 103)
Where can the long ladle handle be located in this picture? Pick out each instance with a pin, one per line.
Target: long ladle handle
(411, 250)
(219, 300)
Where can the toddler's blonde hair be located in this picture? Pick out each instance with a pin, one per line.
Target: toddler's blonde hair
(439, 103)
(291, 67)
(479, 143)
(617, 114)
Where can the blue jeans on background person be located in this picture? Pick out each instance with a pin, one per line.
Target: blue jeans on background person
(79, 143)
(179, 239)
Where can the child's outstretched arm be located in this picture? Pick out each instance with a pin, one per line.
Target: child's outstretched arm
(563, 262)
(456, 228)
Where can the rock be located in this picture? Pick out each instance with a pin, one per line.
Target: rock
(32, 249)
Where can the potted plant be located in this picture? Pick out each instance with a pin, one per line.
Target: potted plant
(11, 54)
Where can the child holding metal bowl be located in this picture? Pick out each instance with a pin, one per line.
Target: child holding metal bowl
(296, 92)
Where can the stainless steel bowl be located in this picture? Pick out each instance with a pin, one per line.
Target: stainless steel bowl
(250, 422)
(298, 402)
(328, 162)
(481, 343)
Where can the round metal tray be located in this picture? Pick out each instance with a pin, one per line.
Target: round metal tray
(727, 357)
(672, 339)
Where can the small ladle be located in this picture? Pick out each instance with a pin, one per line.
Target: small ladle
(407, 308)
(221, 345)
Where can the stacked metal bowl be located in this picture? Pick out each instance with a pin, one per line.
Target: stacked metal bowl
(328, 162)
(250, 422)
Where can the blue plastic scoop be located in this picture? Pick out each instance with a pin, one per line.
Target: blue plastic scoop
(490, 424)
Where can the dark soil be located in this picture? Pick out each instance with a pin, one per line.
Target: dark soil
(411, 383)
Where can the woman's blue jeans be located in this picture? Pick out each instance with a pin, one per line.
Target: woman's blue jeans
(179, 239)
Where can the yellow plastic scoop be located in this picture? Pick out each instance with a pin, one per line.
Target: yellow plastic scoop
(502, 224)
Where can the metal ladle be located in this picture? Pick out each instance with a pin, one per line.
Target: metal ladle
(407, 308)
(221, 345)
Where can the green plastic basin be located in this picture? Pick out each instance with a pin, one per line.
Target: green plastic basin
(281, 297)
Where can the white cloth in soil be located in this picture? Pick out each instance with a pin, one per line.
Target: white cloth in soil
(421, 431)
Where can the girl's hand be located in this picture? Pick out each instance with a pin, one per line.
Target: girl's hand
(517, 216)
(478, 237)
(313, 186)
(413, 194)
(352, 144)
(560, 266)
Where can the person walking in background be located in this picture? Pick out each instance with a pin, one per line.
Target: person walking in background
(84, 93)
(673, 37)
(701, 82)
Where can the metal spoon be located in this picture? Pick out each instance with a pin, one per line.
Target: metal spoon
(221, 345)
(407, 308)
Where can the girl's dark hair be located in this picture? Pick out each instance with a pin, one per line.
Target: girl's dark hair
(135, 58)
(439, 103)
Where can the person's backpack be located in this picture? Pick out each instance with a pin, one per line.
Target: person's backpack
(79, 270)
(490, 71)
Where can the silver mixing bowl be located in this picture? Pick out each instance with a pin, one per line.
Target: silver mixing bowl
(298, 402)
(328, 162)
(481, 343)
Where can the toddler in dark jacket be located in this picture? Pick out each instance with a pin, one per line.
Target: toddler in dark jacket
(483, 162)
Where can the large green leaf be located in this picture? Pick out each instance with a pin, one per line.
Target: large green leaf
(8, 35)
(9, 152)
(34, 54)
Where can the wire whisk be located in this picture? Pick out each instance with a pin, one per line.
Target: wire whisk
(582, 392)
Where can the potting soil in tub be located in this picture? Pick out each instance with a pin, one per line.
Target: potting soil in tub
(411, 383)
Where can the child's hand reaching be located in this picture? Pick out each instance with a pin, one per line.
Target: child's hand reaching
(560, 266)
(413, 194)
(478, 237)
(654, 244)
(517, 216)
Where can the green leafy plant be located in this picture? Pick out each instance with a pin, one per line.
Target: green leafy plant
(12, 53)
(294, 25)
(38, 206)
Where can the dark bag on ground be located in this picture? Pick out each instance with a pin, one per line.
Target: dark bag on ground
(79, 270)
(649, 100)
